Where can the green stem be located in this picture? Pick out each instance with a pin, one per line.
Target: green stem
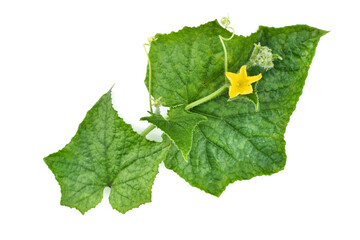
(147, 130)
(222, 39)
(147, 54)
(208, 97)
(191, 105)
(225, 52)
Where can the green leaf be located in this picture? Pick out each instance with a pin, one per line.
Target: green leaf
(179, 126)
(189, 64)
(237, 142)
(106, 152)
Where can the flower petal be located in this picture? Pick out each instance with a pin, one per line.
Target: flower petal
(243, 74)
(246, 89)
(253, 79)
(233, 91)
(233, 77)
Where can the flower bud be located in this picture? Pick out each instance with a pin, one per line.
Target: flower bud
(263, 57)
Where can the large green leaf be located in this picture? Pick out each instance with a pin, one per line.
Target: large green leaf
(179, 126)
(106, 152)
(237, 142)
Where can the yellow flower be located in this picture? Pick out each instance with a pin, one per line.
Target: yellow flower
(241, 82)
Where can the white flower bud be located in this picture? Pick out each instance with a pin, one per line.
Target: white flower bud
(263, 57)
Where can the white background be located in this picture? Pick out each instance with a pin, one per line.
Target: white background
(58, 57)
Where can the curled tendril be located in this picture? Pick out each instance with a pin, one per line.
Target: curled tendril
(225, 21)
(152, 39)
(157, 104)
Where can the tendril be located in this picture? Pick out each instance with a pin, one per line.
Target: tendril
(225, 21)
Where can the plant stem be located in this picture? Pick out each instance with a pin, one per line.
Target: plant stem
(189, 106)
(147, 54)
(222, 39)
(147, 130)
(208, 97)
(225, 52)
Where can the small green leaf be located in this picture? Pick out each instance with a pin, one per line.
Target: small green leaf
(236, 142)
(106, 152)
(179, 126)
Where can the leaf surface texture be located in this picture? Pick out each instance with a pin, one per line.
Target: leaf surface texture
(106, 152)
(236, 142)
